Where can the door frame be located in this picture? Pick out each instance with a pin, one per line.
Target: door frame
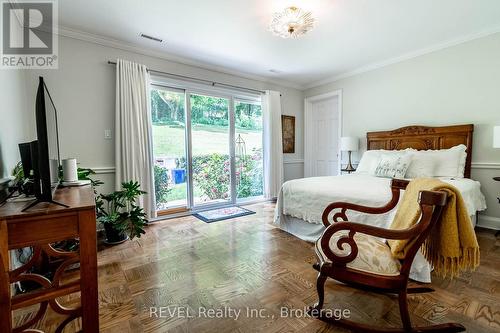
(308, 105)
(233, 96)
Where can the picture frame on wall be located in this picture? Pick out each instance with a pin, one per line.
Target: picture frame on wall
(288, 134)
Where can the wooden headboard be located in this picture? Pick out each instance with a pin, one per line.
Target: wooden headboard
(423, 138)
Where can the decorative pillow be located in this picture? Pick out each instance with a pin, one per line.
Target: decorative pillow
(370, 159)
(393, 166)
(438, 163)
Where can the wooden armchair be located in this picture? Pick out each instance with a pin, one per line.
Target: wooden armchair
(353, 266)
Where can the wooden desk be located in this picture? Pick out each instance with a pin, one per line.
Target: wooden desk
(39, 227)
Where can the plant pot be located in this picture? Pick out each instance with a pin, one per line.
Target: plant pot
(113, 236)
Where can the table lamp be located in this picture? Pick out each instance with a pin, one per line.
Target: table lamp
(349, 144)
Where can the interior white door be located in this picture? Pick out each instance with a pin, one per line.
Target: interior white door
(322, 137)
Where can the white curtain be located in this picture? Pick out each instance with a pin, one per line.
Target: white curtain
(273, 147)
(133, 144)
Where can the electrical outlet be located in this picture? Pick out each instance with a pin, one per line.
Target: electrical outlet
(107, 134)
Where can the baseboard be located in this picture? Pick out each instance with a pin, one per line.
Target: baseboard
(488, 222)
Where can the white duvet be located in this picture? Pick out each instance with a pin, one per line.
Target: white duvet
(306, 198)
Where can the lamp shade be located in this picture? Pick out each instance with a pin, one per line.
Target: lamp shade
(349, 143)
(496, 137)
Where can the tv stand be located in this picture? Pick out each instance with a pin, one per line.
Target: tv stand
(37, 201)
(40, 229)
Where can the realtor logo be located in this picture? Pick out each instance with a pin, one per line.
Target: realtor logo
(29, 38)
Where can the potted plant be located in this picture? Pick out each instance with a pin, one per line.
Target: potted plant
(84, 174)
(122, 218)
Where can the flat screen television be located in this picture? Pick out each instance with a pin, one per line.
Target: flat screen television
(45, 150)
(48, 141)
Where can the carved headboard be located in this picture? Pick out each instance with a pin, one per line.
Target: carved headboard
(423, 138)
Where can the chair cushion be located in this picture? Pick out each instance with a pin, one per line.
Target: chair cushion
(374, 255)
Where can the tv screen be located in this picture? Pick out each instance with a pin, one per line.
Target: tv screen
(52, 138)
(48, 142)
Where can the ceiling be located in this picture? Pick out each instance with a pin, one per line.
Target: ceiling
(232, 34)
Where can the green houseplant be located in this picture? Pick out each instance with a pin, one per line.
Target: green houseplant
(121, 216)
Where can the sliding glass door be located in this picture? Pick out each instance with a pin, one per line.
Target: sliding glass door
(207, 149)
(168, 112)
(210, 149)
(248, 150)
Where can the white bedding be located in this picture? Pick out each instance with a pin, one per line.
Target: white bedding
(302, 201)
(306, 198)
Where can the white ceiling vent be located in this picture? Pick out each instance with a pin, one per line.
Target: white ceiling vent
(156, 39)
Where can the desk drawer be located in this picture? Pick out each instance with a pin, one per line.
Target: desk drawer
(41, 230)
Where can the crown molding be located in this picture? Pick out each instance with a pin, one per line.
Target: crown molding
(118, 44)
(121, 45)
(404, 57)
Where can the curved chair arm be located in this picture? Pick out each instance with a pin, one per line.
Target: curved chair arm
(427, 201)
(396, 186)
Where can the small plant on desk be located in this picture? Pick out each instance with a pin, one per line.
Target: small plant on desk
(121, 216)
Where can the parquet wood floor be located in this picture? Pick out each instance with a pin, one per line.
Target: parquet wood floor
(248, 263)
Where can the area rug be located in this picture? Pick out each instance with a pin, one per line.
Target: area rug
(220, 214)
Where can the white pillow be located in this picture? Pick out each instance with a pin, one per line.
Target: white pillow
(462, 160)
(393, 165)
(368, 162)
(423, 164)
(371, 158)
(438, 163)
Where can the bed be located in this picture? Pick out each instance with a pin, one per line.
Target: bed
(301, 201)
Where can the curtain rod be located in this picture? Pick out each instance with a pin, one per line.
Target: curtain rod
(212, 83)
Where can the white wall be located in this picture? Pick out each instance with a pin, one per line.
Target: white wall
(83, 89)
(457, 85)
(16, 118)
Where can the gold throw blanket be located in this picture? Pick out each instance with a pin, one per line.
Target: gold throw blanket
(452, 244)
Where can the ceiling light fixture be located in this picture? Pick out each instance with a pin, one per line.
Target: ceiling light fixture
(292, 22)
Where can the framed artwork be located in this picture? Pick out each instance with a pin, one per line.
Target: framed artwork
(288, 130)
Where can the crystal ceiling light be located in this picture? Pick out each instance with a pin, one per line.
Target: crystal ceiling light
(292, 22)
